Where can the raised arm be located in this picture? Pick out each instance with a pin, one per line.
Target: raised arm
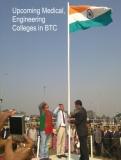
(56, 110)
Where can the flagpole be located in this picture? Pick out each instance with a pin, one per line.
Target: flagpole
(69, 80)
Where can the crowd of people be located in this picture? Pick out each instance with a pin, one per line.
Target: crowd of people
(107, 141)
(53, 131)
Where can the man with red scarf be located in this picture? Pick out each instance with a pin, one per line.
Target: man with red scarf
(46, 129)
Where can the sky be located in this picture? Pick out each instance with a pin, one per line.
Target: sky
(33, 66)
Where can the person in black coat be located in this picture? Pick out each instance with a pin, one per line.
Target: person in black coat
(115, 147)
(80, 120)
(119, 130)
(106, 139)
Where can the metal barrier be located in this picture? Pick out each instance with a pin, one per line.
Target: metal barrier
(114, 149)
(91, 142)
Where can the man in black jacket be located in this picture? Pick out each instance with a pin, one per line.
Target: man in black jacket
(80, 120)
(106, 139)
(115, 148)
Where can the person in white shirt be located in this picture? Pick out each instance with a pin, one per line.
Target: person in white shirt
(32, 133)
(61, 127)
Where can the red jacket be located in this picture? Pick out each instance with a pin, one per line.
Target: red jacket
(48, 122)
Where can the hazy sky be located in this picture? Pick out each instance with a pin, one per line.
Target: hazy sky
(30, 61)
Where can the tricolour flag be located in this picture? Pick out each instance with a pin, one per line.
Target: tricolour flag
(84, 17)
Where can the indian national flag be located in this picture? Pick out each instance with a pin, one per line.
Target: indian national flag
(84, 17)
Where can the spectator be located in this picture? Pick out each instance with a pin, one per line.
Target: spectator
(106, 141)
(98, 140)
(115, 143)
(119, 130)
(32, 133)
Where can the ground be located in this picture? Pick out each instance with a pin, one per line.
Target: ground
(76, 157)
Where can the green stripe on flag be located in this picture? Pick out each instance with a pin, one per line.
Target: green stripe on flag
(101, 20)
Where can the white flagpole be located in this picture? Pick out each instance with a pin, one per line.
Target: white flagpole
(69, 86)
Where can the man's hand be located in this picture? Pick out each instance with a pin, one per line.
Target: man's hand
(71, 120)
(22, 153)
(4, 116)
(2, 142)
